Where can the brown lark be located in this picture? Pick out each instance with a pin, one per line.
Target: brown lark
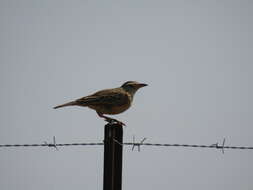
(109, 101)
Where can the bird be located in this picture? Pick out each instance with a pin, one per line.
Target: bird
(109, 101)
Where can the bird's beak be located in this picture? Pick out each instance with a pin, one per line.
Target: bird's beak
(140, 85)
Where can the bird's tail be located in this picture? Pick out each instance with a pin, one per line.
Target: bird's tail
(67, 104)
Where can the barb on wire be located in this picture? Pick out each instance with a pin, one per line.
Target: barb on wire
(54, 145)
(137, 144)
(134, 144)
(223, 144)
(216, 145)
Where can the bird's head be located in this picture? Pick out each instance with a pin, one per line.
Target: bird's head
(132, 86)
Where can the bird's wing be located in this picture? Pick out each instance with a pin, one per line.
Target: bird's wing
(105, 97)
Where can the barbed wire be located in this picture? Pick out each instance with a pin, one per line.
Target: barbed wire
(133, 144)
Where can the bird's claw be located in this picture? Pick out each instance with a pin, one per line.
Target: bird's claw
(111, 121)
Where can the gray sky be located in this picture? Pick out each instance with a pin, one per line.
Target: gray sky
(196, 57)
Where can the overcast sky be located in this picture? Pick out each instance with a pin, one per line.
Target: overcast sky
(196, 57)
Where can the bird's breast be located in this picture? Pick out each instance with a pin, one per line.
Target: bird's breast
(113, 108)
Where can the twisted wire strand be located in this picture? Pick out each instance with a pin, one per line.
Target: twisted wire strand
(213, 146)
(50, 145)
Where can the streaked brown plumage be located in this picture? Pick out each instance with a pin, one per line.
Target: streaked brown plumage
(109, 101)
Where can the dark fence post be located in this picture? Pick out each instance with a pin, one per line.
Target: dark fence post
(113, 157)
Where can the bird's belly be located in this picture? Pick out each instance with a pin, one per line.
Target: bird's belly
(110, 110)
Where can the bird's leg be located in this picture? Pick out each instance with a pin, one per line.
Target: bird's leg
(109, 119)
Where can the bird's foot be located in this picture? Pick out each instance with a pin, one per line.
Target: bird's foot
(112, 120)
